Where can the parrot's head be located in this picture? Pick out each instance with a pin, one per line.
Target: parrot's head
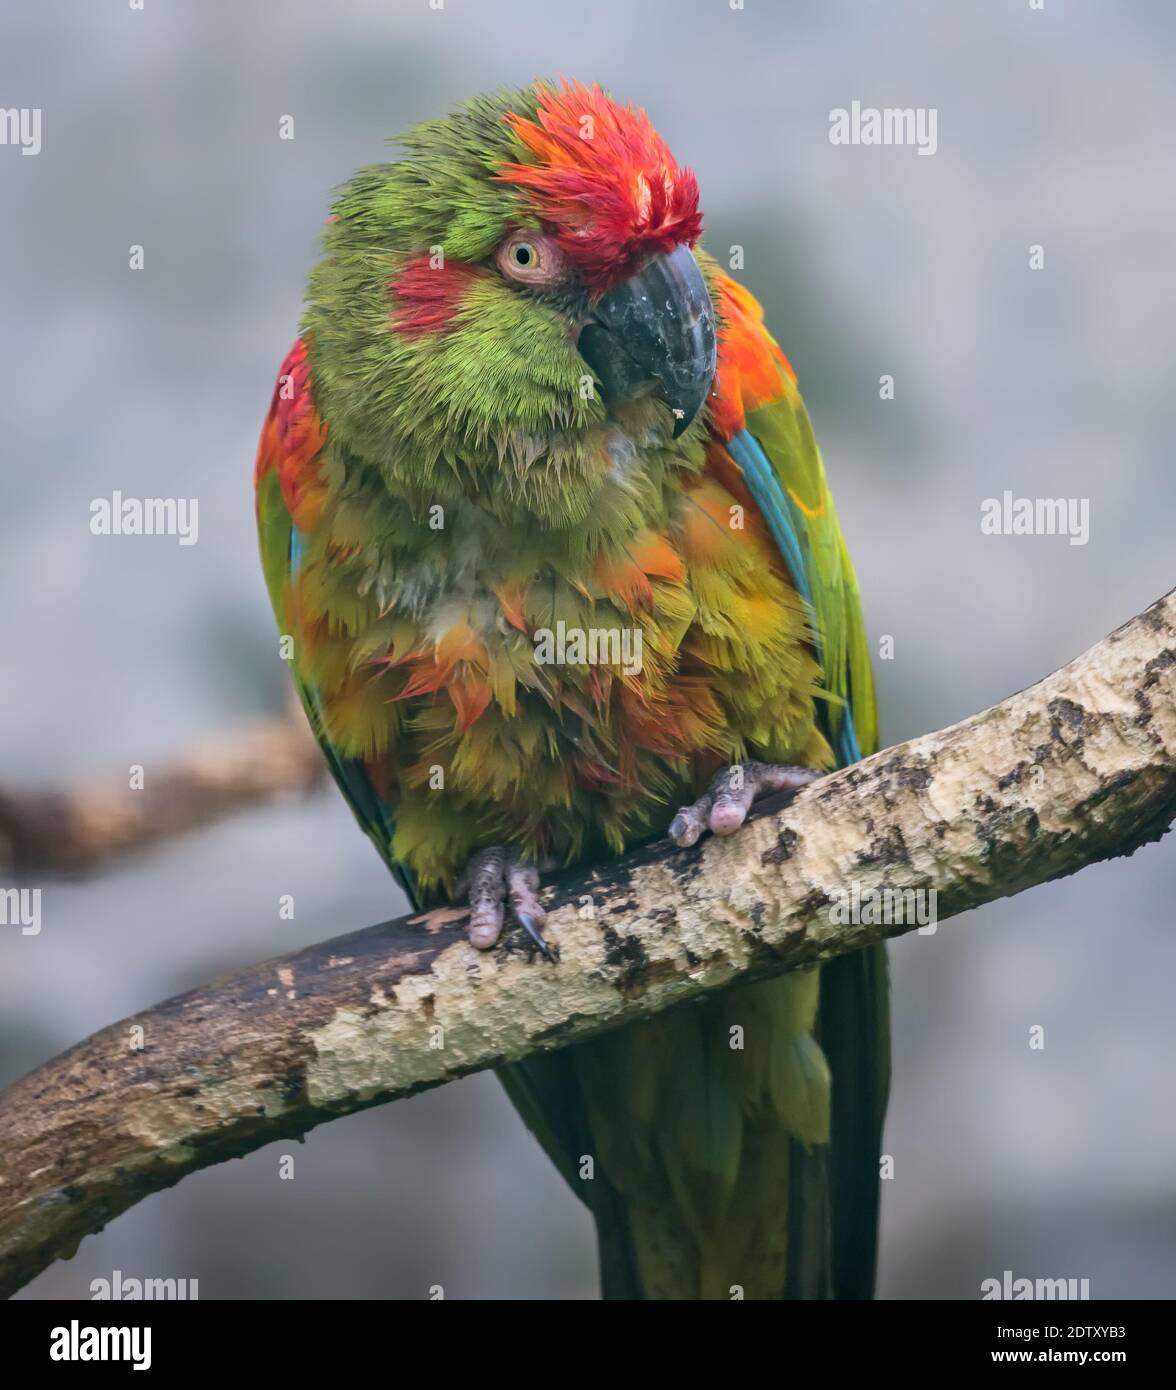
(515, 308)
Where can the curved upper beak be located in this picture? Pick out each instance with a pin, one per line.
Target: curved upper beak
(658, 325)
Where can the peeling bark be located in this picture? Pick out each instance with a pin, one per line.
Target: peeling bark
(1080, 768)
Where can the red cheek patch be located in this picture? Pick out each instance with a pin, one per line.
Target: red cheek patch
(428, 296)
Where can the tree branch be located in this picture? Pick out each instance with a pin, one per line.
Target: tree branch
(1081, 767)
(78, 830)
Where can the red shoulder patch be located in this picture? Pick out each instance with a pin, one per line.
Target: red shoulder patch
(752, 371)
(291, 438)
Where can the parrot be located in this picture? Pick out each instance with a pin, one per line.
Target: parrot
(525, 403)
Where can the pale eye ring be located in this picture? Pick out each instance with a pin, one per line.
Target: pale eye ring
(532, 259)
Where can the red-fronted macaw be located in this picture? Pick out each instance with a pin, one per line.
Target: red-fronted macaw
(523, 396)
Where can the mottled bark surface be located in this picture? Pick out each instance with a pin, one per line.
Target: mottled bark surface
(1077, 769)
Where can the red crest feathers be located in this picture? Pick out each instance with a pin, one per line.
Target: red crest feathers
(604, 182)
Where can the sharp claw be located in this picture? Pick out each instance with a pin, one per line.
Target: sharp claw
(531, 927)
(494, 875)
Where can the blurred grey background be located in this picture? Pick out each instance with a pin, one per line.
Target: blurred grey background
(160, 128)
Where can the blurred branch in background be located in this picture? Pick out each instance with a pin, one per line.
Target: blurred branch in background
(79, 829)
(1079, 768)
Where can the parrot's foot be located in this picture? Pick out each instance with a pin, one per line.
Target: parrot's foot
(490, 877)
(723, 808)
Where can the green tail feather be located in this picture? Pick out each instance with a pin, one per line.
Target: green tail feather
(715, 1172)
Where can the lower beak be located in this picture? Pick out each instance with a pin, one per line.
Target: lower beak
(658, 325)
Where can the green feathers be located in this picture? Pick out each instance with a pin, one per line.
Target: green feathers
(441, 483)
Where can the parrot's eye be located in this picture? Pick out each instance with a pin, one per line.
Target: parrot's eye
(531, 259)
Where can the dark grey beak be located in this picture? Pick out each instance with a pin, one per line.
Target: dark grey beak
(658, 325)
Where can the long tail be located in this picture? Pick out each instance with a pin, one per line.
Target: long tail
(728, 1150)
(855, 1034)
